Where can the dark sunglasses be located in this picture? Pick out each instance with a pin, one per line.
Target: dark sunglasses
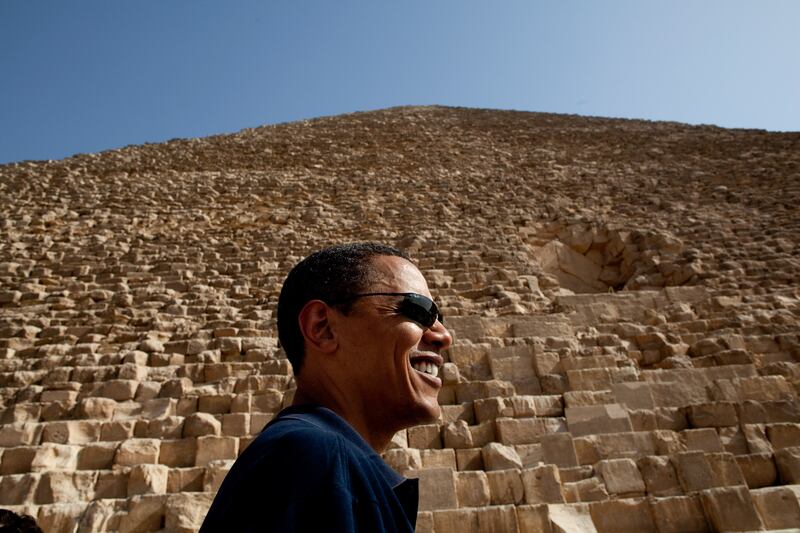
(413, 306)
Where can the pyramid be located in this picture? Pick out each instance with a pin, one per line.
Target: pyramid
(624, 298)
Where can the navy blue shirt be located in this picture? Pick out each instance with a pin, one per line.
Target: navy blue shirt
(309, 470)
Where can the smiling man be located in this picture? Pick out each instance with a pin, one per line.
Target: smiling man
(364, 338)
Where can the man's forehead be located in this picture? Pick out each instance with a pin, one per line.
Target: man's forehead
(396, 273)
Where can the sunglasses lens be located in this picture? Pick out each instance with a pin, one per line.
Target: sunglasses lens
(420, 309)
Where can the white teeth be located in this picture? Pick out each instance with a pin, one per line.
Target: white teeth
(426, 368)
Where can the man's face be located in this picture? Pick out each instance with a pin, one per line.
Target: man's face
(388, 357)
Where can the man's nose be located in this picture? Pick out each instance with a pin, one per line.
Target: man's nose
(437, 335)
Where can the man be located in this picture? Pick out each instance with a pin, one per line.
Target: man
(364, 339)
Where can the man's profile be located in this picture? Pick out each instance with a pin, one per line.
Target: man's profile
(364, 337)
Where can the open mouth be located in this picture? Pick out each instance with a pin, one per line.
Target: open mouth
(426, 363)
(426, 368)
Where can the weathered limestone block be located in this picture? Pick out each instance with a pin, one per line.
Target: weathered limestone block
(533, 519)
(424, 522)
(58, 487)
(483, 433)
(145, 513)
(699, 471)
(199, 424)
(679, 514)
(596, 419)
(103, 515)
(118, 389)
(558, 449)
(215, 473)
(159, 408)
(783, 435)
(97, 408)
(778, 507)
(212, 448)
(425, 436)
(17, 460)
(571, 518)
(733, 440)
(470, 459)
(497, 518)
(462, 411)
(472, 489)
(715, 414)
(659, 476)
(185, 479)
(474, 390)
(530, 454)
(456, 521)
(18, 489)
(621, 477)
(705, 440)
(50, 457)
(788, 461)
(497, 456)
(456, 435)
(175, 388)
(403, 459)
(756, 437)
(730, 509)
(60, 517)
(505, 487)
(20, 434)
(620, 516)
(236, 424)
(437, 489)
(112, 484)
(526, 430)
(758, 469)
(542, 485)
(71, 431)
(585, 490)
(185, 512)
(438, 458)
(137, 451)
(147, 479)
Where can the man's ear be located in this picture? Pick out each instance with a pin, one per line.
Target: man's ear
(315, 325)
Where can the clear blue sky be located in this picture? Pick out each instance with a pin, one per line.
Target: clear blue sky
(84, 76)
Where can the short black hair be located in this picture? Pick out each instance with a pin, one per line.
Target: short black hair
(11, 522)
(331, 275)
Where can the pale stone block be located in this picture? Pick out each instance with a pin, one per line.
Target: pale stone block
(438, 458)
(57, 487)
(170, 427)
(462, 411)
(505, 487)
(596, 419)
(622, 516)
(147, 479)
(456, 521)
(526, 430)
(215, 474)
(236, 424)
(788, 461)
(470, 459)
(60, 517)
(730, 509)
(497, 456)
(783, 435)
(98, 408)
(425, 436)
(679, 514)
(159, 408)
(559, 449)
(117, 430)
(200, 424)
(103, 515)
(778, 507)
(118, 389)
(659, 476)
(705, 440)
(403, 459)
(145, 513)
(51, 457)
(715, 414)
(499, 518)
(186, 512)
(533, 519)
(18, 489)
(621, 477)
(112, 484)
(758, 469)
(71, 432)
(472, 489)
(185, 479)
(756, 437)
(437, 489)
(571, 518)
(17, 460)
(482, 434)
(178, 453)
(530, 454)
(213, 448)
(584, 490)
(424, 522)
(542, 485)
(137, 451)
(20, 434)
(457, 435)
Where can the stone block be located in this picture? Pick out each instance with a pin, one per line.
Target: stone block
(533, 519)
(112, 484)
(201, 424)
(18, 489)
(569, 518)
(530, 454)
(558, 449)
(50, 457)
(621, 477)
(483, 433)
(585, 490)
(178, 453)
(120, 390)
(425, 436)
(438, 458)
(403, 459)
(498, 518)
(236, 424)
(424, 522)
(526, 430)
(103, 515)
(456, 521)
(453, 413)
(497, 456)
(472, 489)
(659, 476)
(596, 419)
(71, 432)
(679, 514)
(730, 509)
(759, 469)
(788, 461)
(470, 459)
(783, 435)
(97, 456)
(186, 512)
(756, 437)
(714, 414)
(185, 479)
(215, 474)
(505, 487)
(437, 489)
(97, 408)
(145, 513)
(137, 451)
(147, 479)
(17, 460)
(213, 448)
(699, 471)
(117, 430)
(542, 485)
(622, 516)
(705, 440)
(778, 507)
(58, 487)
(456, 435)
(60, 517)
